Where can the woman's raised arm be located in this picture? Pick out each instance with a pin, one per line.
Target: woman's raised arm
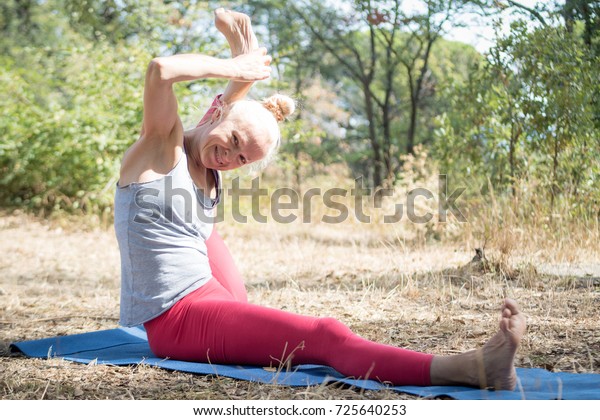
(160, 104)
(237, 29)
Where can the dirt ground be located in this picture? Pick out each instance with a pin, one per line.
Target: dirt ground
(58, 278)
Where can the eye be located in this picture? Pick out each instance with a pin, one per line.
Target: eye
(236, 143)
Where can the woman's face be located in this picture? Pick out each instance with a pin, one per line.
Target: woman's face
(240, 138)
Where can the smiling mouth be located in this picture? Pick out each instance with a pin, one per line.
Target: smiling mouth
(218, 156)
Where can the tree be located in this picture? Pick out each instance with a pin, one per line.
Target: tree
(311, 138)
(561, 81)
(72, 82)
(588, 12)
(368, 42)
(529, 112)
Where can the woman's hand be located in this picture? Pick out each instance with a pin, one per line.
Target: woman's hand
(237, 29)
(252, 66)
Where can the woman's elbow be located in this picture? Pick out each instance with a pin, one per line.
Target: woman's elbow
(156, 69)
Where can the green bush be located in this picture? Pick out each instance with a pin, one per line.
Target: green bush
(70, 115)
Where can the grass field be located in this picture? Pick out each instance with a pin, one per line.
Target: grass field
(60, 278)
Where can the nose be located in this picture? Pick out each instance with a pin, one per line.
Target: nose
(225, 155)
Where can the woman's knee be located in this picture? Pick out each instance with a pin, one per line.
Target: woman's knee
(329, 327)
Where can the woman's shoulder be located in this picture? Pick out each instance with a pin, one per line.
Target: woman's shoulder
(151, 156)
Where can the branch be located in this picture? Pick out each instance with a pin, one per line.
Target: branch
(424, 68)
(372, 45)
(323, 41)
(532, 11)
(388, 44)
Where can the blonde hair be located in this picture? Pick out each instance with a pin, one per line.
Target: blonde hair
(280, 107)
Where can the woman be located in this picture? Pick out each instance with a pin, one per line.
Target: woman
(178, 278)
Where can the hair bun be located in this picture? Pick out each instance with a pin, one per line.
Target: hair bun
(281, 106)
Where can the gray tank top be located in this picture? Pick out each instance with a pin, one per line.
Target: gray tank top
(161, 227)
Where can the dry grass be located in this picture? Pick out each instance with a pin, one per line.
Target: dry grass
(63, 278)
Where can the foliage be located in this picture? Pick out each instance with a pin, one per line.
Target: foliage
(383, 62)
(61, 144)
(372, 81)
(72, 80)
(527, 118)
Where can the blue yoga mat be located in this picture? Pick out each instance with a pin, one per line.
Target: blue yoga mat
(129, 346)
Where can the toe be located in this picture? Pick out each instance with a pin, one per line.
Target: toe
(512, 306)
(504, 324)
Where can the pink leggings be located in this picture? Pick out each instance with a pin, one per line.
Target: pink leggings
(216, 324)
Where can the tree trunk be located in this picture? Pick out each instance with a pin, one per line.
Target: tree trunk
(377, 158)
(514, 138)
(415, 97)
(387, 136)
(554, 185)
(410, 144)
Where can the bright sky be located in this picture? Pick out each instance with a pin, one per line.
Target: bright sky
(479, 31)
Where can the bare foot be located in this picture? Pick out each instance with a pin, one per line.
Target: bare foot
(237, 29)
(491, 366)
(499, 352)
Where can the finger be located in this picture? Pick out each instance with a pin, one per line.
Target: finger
(266, 73)
(268, 59)
(262, 50)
